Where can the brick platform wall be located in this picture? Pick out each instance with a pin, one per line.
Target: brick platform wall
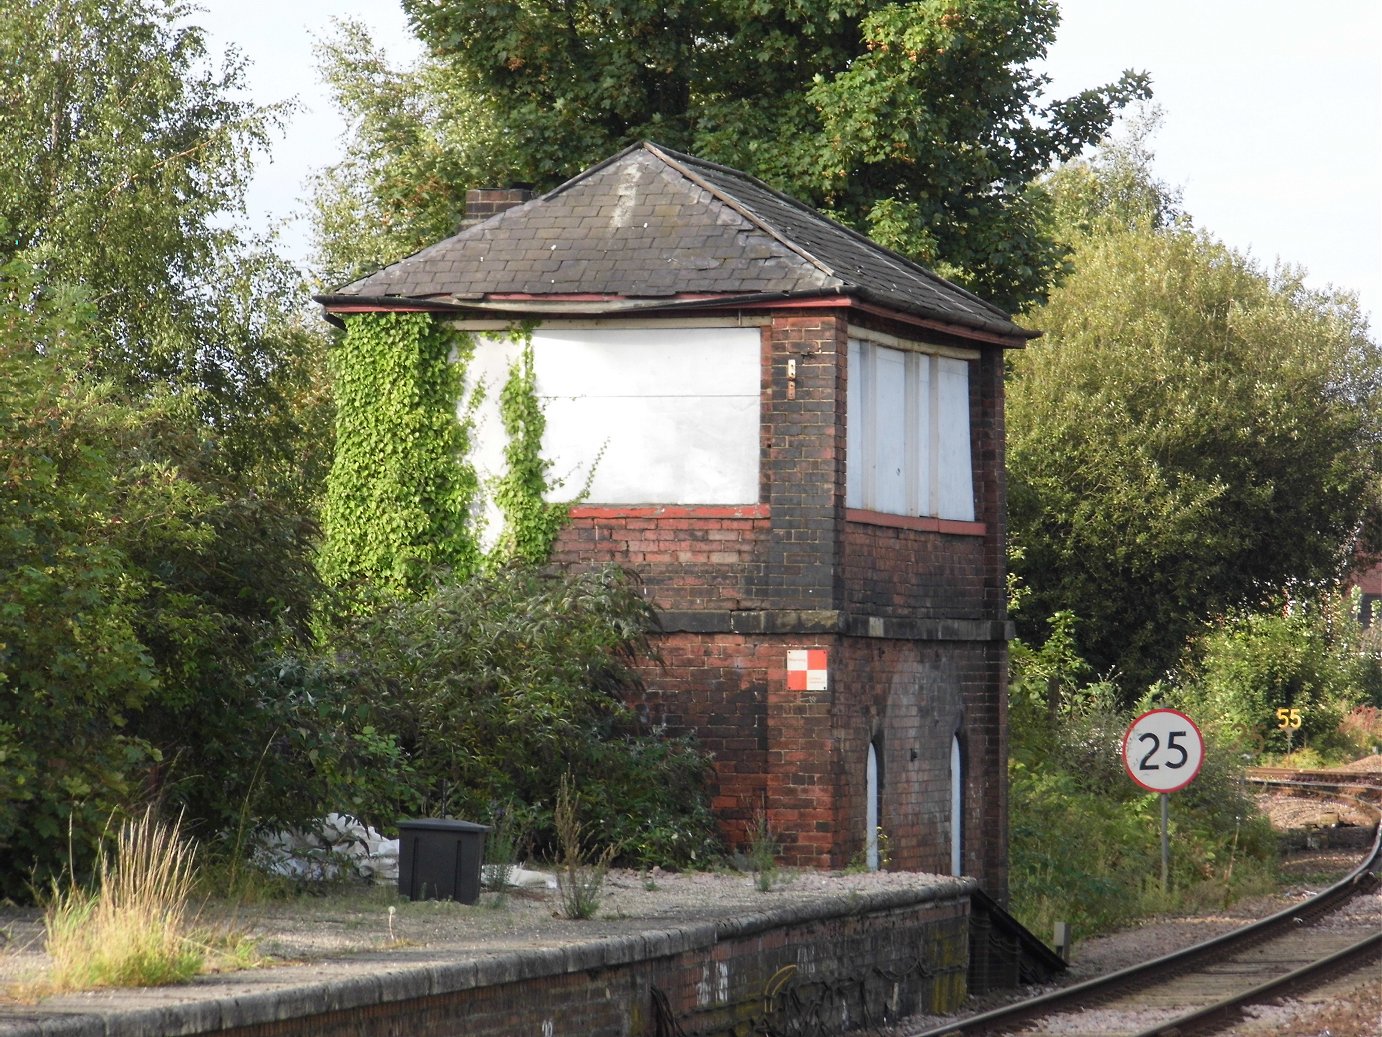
(860, 964)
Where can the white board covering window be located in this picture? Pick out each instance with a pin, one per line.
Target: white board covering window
(648, 415)
(907, 443)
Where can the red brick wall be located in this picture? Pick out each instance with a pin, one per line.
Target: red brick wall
(689, 558)
(803, 460)
(744, 585)
(909, 573)
(800, 757)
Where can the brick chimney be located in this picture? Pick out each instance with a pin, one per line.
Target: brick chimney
(483, 202)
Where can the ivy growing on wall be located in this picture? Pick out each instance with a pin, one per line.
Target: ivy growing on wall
(531, 522)
(401, 494)
(403, 497)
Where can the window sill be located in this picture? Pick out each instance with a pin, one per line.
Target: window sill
(922, 524)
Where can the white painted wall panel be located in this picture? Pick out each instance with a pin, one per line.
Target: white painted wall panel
(907, 433)
(671, 414)
(657, 450)
(953, 455)
(890, 432)
(648, 362)
(921, 433)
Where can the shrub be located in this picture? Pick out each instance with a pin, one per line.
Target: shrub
(1307, 656)
(493, 688)
(134, 928)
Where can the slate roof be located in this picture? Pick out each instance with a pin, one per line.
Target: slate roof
(651, 228)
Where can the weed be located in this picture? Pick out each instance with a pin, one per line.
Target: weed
(581, 875)
(763, 851)
(135, 927)
(859, 863)
(501, 851)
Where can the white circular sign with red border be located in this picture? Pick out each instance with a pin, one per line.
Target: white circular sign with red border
(1163, 750)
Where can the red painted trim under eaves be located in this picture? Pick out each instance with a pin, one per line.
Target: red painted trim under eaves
(925, 525)
(745, 511)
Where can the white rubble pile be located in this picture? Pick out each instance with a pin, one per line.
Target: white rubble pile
(340, 847)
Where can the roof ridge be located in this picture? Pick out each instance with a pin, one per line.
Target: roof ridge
(682, 164)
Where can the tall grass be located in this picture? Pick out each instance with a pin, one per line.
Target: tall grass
(134, 927)
(581, 871)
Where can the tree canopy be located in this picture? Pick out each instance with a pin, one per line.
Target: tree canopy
(1192, 434)
(129, 152)
(162, 429)
(920, 124)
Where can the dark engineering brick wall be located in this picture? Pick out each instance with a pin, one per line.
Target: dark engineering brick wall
(841, 965)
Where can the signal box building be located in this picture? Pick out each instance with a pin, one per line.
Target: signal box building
(796, 437)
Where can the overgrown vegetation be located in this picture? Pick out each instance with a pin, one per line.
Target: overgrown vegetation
(401, 494)
(1239, 681)
(135, 927)
(489, 691)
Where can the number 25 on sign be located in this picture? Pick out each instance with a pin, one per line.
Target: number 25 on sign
(1163, 750)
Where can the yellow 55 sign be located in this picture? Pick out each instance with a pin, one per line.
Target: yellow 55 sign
(1287, 719)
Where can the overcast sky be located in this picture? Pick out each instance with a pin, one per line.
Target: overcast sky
(1272, 109)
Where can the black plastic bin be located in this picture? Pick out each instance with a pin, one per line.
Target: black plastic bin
(440, 860)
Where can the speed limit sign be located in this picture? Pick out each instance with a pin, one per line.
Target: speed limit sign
(1163, 750)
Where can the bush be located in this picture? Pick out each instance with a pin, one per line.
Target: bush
(493, 688)
(1310, 657)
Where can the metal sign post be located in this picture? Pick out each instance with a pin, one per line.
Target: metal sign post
(1162, 752)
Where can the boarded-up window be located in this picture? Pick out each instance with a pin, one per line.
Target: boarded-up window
(658, 415)
(907, 448)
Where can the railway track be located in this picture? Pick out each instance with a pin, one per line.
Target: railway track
(1204, 988)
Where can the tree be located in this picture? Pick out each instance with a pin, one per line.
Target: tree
(125, 172)
(1191, 436)
(162, 424)
(140, 588)
(921, 124)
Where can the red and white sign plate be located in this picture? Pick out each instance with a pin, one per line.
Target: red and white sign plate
(807, 670)
(1163, 750)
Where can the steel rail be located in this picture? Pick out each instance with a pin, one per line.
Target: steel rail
(1226, 1012)
(1146, 973)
